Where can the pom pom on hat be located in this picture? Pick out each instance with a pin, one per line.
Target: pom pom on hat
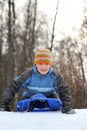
(43, 56)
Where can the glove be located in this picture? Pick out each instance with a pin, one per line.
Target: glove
(70, 111)
(5, 107)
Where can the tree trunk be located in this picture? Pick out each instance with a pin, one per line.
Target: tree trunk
(53, 29)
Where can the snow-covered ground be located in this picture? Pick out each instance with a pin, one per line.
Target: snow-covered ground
(43, 120)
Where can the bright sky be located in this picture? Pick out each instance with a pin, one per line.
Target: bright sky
(69, 16)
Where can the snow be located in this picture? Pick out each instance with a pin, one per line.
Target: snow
(43, 120)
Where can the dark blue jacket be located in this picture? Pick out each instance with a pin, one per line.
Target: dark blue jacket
(38, 83)
(35, 82)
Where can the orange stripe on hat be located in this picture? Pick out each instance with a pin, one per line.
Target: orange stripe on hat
(43, 56)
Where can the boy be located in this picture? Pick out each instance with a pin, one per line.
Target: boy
(40, 78)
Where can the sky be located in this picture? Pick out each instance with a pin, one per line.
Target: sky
(43, 120)
(70, 13)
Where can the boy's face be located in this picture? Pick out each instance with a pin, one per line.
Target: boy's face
(43, 68)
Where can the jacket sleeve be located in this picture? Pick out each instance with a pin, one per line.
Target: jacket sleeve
(9, 92)
(64, 92)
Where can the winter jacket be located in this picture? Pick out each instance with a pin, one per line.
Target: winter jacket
(39, 83)
(35, 82)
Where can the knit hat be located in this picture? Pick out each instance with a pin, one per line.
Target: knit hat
(43, 56)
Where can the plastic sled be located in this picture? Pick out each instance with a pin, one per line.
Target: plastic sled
(39, 103)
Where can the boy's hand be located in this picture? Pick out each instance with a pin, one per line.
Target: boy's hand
(71, 111)
(5, 107)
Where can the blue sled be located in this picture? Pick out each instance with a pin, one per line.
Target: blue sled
(39, 103)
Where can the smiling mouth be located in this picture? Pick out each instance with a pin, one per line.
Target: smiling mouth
(43, 70)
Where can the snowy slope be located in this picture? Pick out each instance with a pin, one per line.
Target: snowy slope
(43, 121)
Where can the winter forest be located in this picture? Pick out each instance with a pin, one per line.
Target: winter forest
(19, 40)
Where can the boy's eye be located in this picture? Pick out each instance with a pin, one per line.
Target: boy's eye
(43, 64)
(46, 64)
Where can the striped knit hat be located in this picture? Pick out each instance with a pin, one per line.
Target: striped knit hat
(43, 56)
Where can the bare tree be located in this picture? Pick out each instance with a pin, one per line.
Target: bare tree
(1, 40)
(34, 22)
(12, 55)
(71, 66)
(53, 28)
(29, 33)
